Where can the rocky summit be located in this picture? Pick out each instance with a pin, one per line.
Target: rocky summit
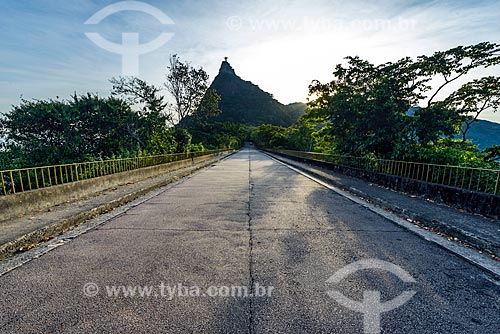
(244, 102)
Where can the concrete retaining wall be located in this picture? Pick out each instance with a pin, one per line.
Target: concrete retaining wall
(20, 204)
(470, 201)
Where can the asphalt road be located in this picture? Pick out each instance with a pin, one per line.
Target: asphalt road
(245, 221)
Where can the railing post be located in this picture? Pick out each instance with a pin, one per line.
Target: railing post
(449, 177)
(36, 178)
(479, 180)
(55, 174)
(3, 184)
(456, 176)
(43, 177)
(12, 183)
(29, 179)
(496, 183)
(21, 180)
(463, 178)
(470, 180)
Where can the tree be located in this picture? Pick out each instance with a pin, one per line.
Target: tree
(270, 136)
(85, 127)
(431, 123)
(474, 97)
(218, 135)
(300, 136)
(209, 105)
(188, 86)
(154, 112)
(457, 62)
(364, 108)
(138, 91)
(106, 126)
(183, 139)
(162, 141)
(492, 153)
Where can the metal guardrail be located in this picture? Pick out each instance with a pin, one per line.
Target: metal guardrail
(26, 179)
(474, 179)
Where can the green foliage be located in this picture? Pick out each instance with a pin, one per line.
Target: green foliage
(182, 139)
(454, 63)
(364, 111)
(323, 141)
(209, 105)
(85, 128)
(89, 127)
(153, 113)
(218, 135)
(162, 141)
(492, 153)
(137, 91)
(198, 147)
(364, 108)
(298, 137)
(447, 151)
(188, 86)
(473, 98)
(434, 122)
(8, 160)
(270, 136)
(53, 131)
(296, 110)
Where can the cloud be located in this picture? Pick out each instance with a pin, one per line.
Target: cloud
(281, 45)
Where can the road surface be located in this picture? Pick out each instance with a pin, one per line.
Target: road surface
(246, 222)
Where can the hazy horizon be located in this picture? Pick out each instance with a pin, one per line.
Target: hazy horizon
(281, 45)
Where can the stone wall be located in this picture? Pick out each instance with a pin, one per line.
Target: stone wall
(470, 201)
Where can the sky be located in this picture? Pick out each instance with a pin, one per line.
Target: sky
(279, 45)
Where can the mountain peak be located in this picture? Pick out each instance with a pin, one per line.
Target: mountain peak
(226, 68)
(244, 102)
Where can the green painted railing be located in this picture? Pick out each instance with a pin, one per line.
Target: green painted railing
(26, 179)
(474, 179)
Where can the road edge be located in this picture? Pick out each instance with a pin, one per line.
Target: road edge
(58, 230)
(477, 259)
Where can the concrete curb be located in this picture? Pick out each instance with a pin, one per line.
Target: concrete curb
(439, 226)
(22, 243)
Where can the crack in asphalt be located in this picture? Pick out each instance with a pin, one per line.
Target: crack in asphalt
(250, 248)
(247, 229)
(327, 230)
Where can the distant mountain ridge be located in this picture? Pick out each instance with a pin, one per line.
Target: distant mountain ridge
(484, 133)
(244, 102)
